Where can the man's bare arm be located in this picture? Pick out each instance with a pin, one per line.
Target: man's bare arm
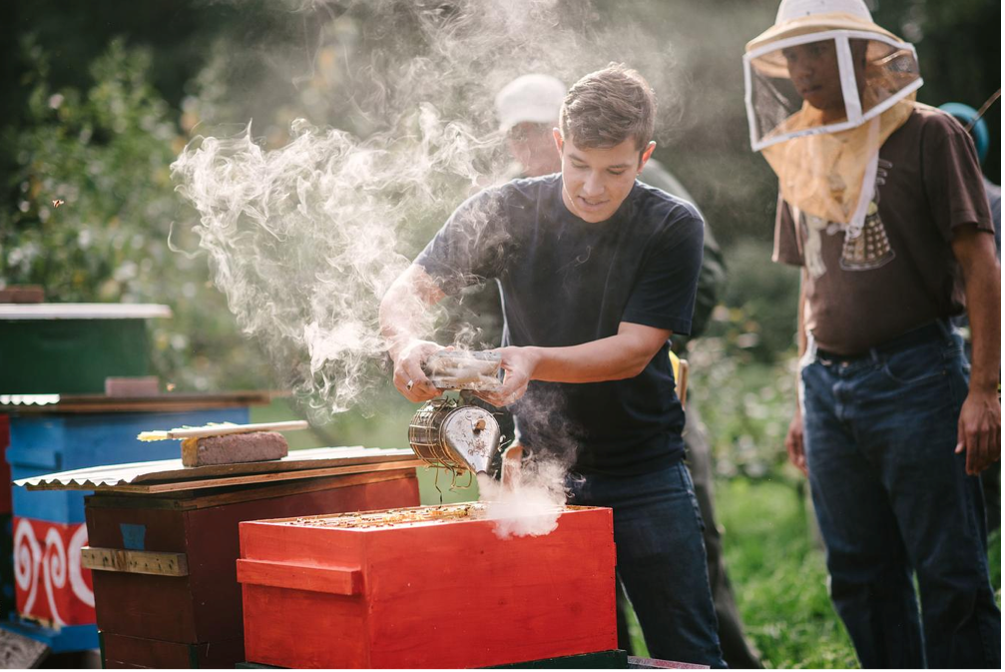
(401, 317)
(980, 418)
(617, 357)
(794, 439)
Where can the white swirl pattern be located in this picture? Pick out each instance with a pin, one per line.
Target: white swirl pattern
(56, 562)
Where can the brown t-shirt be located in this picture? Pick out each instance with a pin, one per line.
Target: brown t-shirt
(899, 273)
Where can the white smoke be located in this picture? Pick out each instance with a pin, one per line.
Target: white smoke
(530, 502)
(304, 240)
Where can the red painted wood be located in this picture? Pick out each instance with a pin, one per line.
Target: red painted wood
(445, 594)
(49, 583)
(206, 605)
(335, 580)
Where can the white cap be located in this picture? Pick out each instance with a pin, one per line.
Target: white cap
(797, 9)
(534, 98)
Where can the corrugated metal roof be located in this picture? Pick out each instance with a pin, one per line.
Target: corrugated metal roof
(168, 471)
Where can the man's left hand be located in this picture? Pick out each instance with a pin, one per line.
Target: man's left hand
(979, 431)
(518, 364)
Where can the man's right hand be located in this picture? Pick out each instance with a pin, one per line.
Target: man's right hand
(794, 444)
(408, 375)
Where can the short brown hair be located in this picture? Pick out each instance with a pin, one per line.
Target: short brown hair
(607, 107)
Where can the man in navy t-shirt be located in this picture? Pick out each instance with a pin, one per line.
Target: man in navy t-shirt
(596, 271)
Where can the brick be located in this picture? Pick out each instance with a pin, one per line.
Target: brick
(231, 448)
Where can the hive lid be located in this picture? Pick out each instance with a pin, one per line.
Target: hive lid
(171, 476)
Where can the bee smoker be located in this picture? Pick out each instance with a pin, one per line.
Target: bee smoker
(450, 431)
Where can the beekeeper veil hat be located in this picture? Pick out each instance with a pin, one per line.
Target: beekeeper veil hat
(825, 86)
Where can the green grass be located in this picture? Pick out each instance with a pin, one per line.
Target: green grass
(779, 577)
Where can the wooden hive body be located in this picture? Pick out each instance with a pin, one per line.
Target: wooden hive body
(447, 594)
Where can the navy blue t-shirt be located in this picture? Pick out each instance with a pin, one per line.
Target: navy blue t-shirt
(564, 282)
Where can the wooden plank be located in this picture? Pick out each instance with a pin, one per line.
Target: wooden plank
(123, 652)
(155, 488)
(335, 580)
(301, 630)
(134, 562)
(637, 663)
(159, 607)
(156, 471)
(187, 500)
(221, 430)
(20, 652)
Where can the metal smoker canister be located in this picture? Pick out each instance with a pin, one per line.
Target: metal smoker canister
(458, 437)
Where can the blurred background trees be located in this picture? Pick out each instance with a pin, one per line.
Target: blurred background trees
(98, 99)
(97, 102)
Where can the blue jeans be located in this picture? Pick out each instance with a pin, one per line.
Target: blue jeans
(893, 499)
(661, 559)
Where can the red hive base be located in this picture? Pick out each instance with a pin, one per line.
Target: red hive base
(448, 593)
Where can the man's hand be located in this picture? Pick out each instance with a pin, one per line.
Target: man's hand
(408, 375)
(980, 430)
(794, 443)
(519, 365)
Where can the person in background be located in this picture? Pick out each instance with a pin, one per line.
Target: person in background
(881, 204)
(968, 118)
(528, 110)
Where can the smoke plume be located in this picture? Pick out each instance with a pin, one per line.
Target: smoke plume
(305, 239)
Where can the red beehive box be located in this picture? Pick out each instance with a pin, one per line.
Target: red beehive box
(425, 587)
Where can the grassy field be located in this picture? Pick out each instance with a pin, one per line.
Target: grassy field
(779, 577)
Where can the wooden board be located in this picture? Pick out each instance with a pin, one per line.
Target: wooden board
(156, 488)
(445, 594)
(201, 499)
(133, 562)
(205, 605)
(164, 471)
(121, 652)
(637, 663)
